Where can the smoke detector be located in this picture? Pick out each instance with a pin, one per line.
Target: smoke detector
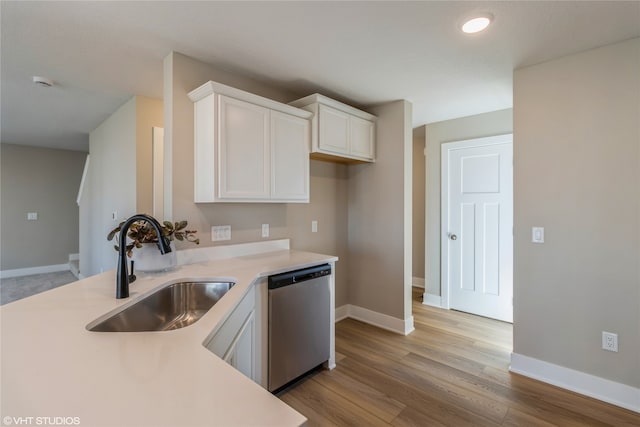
(42, 81)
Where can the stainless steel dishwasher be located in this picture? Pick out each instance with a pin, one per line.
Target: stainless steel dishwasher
(299, 325)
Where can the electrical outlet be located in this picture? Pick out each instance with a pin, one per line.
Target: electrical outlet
(32, 216)
(220, 232)
(265, 230)
(609, 341)
(537, 234)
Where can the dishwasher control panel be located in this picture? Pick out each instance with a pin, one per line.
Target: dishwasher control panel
(296, 276)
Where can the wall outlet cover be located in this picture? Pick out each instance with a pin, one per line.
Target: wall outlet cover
(609, 341)
(537, 234)
(220, 232)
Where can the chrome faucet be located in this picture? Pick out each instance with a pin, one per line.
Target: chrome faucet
(122, 278)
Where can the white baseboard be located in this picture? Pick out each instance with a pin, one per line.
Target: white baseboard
(417, 282)
(589, 385)
(384, 321)
(18, 272)
(342, 312)
(431, 299)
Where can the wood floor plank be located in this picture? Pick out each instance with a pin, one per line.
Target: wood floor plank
(422, 401)
(453, 370)
(314, 418)
(368, 398)
(334, 407)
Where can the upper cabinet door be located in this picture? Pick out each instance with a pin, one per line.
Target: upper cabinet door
(339, 132)
(361, 137)
(243, 150)
(333, 132)
(248, 148)
(290, 137)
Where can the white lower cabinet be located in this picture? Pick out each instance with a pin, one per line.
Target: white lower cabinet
(241, 353)
(238, 341)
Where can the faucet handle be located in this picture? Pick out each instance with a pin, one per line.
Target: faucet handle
(132, 277)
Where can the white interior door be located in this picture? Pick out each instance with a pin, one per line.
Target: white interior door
(477, 226)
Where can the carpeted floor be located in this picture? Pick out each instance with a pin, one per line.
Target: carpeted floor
(15, 288)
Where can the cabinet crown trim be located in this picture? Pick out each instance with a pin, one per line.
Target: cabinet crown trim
(317, 98)
(211, 87)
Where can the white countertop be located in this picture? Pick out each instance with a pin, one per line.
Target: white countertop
(53, 367)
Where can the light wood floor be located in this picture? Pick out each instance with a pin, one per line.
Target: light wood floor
(452, 371)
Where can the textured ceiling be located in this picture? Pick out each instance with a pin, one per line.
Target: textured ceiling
(101, 53)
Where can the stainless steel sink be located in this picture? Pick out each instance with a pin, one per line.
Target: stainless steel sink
(171, 307)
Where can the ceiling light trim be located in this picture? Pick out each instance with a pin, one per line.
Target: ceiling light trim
(477, 23)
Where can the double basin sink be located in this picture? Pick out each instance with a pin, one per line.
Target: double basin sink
(173, 306)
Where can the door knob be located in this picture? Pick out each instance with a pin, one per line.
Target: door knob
(453, 237)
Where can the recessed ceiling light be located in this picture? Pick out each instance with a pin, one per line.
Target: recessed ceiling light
(42, 81)
(477, 23)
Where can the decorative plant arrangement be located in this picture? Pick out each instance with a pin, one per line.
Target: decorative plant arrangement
(141, 232)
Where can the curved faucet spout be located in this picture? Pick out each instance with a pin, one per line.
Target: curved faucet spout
(122, 278)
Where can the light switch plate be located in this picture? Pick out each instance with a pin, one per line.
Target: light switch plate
(265, 230)
(32, 216)
(314, 226)
(537, 234)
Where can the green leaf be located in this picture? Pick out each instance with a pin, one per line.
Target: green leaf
(168, 225)
(180, 225)
(179, 236)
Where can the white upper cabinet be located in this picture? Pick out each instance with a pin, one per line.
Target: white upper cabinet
(248, 148)
(289, 157)
(339, 131)
(244, 149)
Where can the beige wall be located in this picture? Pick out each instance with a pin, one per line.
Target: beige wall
(149, 114)
(111, 186)
(577, 173)
(45, 181)
(328, 183)
(418, 202)
(380, 218)
(481, 125)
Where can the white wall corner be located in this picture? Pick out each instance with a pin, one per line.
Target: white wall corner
(417, 282)
(589, 385)
(408, 325)
(432, 300)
